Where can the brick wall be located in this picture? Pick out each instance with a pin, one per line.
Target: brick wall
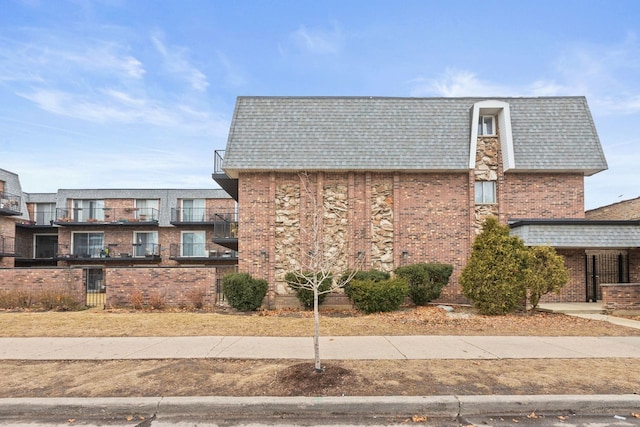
(36, 280)
(541, 196)
(628, 209)
(174, 285)
(575, 290)
(621, 296)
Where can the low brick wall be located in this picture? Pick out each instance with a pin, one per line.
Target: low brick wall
(175, 286)
(621, 296)
(34, 281)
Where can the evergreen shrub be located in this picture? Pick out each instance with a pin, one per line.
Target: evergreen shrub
(370, 296)
(243, 292)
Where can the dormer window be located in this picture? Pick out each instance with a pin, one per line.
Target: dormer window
(486, 126)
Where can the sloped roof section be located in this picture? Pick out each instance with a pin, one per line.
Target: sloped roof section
(578, 233)
(402, 134)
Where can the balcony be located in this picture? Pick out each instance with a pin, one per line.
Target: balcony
(134, 253)
(201, 252)
(107, 216)
(230, 185)
(194, 216)
(7, 246)
(9, 204)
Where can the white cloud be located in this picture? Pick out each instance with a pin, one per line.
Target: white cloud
(462, 83)
(176, 62)
(318, 41)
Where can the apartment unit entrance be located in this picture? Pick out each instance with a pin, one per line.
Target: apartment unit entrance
(604, 267)
(95, 288)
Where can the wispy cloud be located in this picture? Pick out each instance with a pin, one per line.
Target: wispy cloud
(177, 63)
(605, 74)
(457, 83)
(318, 41)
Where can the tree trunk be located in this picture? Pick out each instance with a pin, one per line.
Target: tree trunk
(316, 335)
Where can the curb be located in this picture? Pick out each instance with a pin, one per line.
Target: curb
(319, 407)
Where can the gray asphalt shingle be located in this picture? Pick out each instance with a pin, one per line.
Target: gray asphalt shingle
(396, 134)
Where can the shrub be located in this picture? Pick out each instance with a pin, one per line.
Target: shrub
(16, 299)
(425, 280)
(493, 279)
(196, 296)
(370, 296)
(372, 275)
(157, 301)
(137, 300)
(302, 284)
(546, 273)
(243, 292)
(52, 299)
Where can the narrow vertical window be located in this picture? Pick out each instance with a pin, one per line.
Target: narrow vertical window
(485, 192)
(486, 125)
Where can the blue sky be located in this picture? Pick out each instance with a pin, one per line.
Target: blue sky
(139, 93)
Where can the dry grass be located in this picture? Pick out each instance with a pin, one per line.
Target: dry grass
(286, 378)
(411, 321)
(220, 377)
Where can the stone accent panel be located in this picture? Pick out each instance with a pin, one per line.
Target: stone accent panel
(487, 159)
(336, 226)
(382, 226)
(287, 233)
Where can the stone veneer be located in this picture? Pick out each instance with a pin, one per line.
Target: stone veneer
(382, 226)
(487, 169)
(287, 233)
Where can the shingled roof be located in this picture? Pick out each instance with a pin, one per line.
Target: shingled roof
(553, 134)
(578, 233)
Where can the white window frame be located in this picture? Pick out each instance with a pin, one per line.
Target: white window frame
(147, 209)
(93, 252)
(47, 211)
(482, 125)
(485, 192)
(202, 239)
(192, 210)
(85, 209)
(140, 248)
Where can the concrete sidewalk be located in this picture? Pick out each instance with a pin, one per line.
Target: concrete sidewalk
(336, 348)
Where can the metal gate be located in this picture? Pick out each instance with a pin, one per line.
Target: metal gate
(95, 289)
(605, 267)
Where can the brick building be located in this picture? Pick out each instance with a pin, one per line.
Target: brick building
(143, 237)
(406, 180)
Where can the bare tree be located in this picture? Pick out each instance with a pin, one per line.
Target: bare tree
(323, 257)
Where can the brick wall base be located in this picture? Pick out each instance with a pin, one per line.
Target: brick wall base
(34, 281)
(621, 296)
(175, 286)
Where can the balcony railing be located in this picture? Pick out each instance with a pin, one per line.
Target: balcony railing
(135, 250)
(9, 204)
(7, 246)
(202, 215)
(218, 157)
(106, 216)
(200, 250)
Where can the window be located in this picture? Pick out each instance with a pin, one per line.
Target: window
(84, 210)
(147, 209)
(46, 245)
(486, 125)
(193, 210)
(485, 192)
(193, 244)
(145, 243)
(88, 245)
(44, 213)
